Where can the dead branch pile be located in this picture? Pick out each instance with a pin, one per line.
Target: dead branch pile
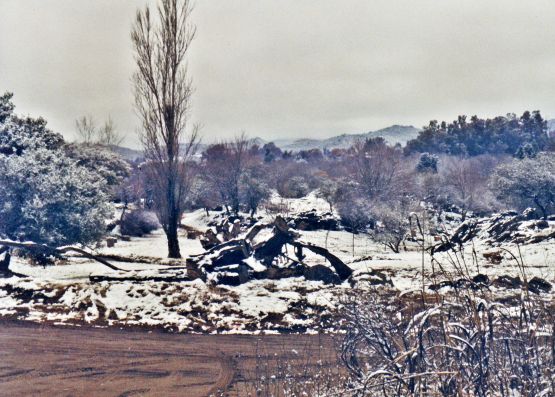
(238, 260)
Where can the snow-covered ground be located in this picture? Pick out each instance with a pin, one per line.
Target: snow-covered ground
(64, 293)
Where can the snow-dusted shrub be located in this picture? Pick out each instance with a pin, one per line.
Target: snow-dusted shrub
(138, 223)
(47, 198)
(427, 163)
(295, 187)
(529, 182)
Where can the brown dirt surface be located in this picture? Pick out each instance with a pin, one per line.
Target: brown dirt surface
(46, 360)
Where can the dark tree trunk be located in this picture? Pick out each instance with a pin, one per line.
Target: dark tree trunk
(235, 206)
(541, 208)
(173, 241)
(394, 246)
(5, 262)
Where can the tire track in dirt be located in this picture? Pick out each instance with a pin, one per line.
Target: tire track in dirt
(227, 374)
(45, 360)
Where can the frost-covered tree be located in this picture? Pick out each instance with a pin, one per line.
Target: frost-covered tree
(427, 163)
(18, 134)
(89, 134)
(45, 195)
(238, 159)
(527, 182)
(111, 166)
(328, 192)
(254, 189)
(377, 167)
(203, 195)
(271, 152)
(392, 222)
(108, 135)
(465, 181)
(226, 165)
(354, 210)
(526, 150)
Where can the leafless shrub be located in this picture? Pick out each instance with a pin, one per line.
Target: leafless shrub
(460, 343)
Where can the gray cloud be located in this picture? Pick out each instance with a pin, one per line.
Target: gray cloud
(290, 68)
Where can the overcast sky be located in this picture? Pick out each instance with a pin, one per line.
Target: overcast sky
(290, 68)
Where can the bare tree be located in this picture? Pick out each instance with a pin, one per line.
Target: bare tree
(162, 99)
(328, 192)
(392, 222)
(226, 164)
(86, 129)
(466, 182)
(239, 156)
(354, 209)
(108, 135)
(377, 167)
(254, 189)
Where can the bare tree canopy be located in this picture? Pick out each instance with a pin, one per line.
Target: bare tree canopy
(108, 134)
(86, 129)
(162, 99)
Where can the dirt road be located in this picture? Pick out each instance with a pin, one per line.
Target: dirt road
(43, 360)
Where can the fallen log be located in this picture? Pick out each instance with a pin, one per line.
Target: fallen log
(162, 275)
(47, 250)
(342, 270)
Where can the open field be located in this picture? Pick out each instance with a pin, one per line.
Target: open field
(47, 360)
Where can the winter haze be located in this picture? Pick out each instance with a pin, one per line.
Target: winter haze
(289, 69)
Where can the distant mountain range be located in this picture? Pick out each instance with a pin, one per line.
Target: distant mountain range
(393, 135)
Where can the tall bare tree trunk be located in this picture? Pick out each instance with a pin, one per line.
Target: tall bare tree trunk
(162, 98)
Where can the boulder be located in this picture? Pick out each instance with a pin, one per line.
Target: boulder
(372, 277)
(321, 273)
(495, 256)
(538, 285)
(209, 239)
(508, 282)
(312, 220)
